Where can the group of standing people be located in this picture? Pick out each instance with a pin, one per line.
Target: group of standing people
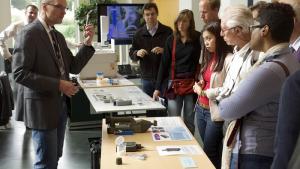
(239, 65)
(241, 60)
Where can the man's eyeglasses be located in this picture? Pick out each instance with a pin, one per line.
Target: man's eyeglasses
(252, 27)
(60, 7)
(225, 30)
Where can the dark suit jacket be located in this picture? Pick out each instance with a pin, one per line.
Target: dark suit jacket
(6, 100)
(35, 68)
(288, 125)
(143, 40)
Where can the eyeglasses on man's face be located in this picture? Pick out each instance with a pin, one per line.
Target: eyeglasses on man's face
(223, 30)
(252, 27)
(60, 7)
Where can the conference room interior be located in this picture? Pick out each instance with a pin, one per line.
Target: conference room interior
(16, 146)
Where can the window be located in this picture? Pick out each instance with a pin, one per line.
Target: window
(67, 28)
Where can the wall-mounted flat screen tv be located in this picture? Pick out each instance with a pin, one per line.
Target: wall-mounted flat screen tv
(124, 20)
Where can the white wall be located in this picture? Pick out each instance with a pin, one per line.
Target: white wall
(185, 4)
(5, 16)
(195, 8)
(226, 3)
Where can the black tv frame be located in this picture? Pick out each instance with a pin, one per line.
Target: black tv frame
(119, 41)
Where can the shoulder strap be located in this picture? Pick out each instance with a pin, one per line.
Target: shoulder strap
(233, 133)
(239, 71)
(173, 58)
(198, 67)
(286, 70)
(239, 121)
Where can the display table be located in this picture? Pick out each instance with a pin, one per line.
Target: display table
(153, 160)
(140, 100)
(87, 107)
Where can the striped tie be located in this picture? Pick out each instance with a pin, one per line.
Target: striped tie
(297, 54)
(58, 55)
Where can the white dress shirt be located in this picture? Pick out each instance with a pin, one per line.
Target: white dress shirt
(11, 31)
(239, 68)
(152, 30)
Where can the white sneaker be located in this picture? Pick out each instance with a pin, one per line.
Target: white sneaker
(2, 127)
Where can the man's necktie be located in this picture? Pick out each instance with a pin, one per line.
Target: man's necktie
(292, 49)
(297, 54)
(58, 55)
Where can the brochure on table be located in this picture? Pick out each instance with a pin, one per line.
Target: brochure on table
(170, 129)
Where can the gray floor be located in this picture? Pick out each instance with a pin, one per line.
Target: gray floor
(16, 149)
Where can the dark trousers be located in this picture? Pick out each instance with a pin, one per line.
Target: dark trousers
(148, 87)
(250, 161)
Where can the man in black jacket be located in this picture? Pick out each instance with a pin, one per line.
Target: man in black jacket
(147, 47)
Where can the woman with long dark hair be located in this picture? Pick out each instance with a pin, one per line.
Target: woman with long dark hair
(215, 63)
(187, 51)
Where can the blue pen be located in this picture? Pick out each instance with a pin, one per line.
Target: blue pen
(124, 132)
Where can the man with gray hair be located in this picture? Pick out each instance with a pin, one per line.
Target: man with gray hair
(234, 29)
(42, 63)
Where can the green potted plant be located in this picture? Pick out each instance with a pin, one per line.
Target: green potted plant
(83, 9)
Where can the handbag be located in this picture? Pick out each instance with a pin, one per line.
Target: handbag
(183, 84)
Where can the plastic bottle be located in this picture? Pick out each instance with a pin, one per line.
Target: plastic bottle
(121, 146)
(99, 77)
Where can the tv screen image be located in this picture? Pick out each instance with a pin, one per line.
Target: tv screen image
(124, 20)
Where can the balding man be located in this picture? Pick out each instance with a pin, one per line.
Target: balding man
(209, 10)
(42, 63)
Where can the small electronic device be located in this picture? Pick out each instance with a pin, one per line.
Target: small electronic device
(125, 69)
(122, 102)
(117, 124)
(129, 71)
(132, 147)
(88, 16)
(74, 80)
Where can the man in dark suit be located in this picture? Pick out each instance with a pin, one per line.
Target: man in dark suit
(147, 48)
(295, 37)
(42, 64)
(288, 127)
